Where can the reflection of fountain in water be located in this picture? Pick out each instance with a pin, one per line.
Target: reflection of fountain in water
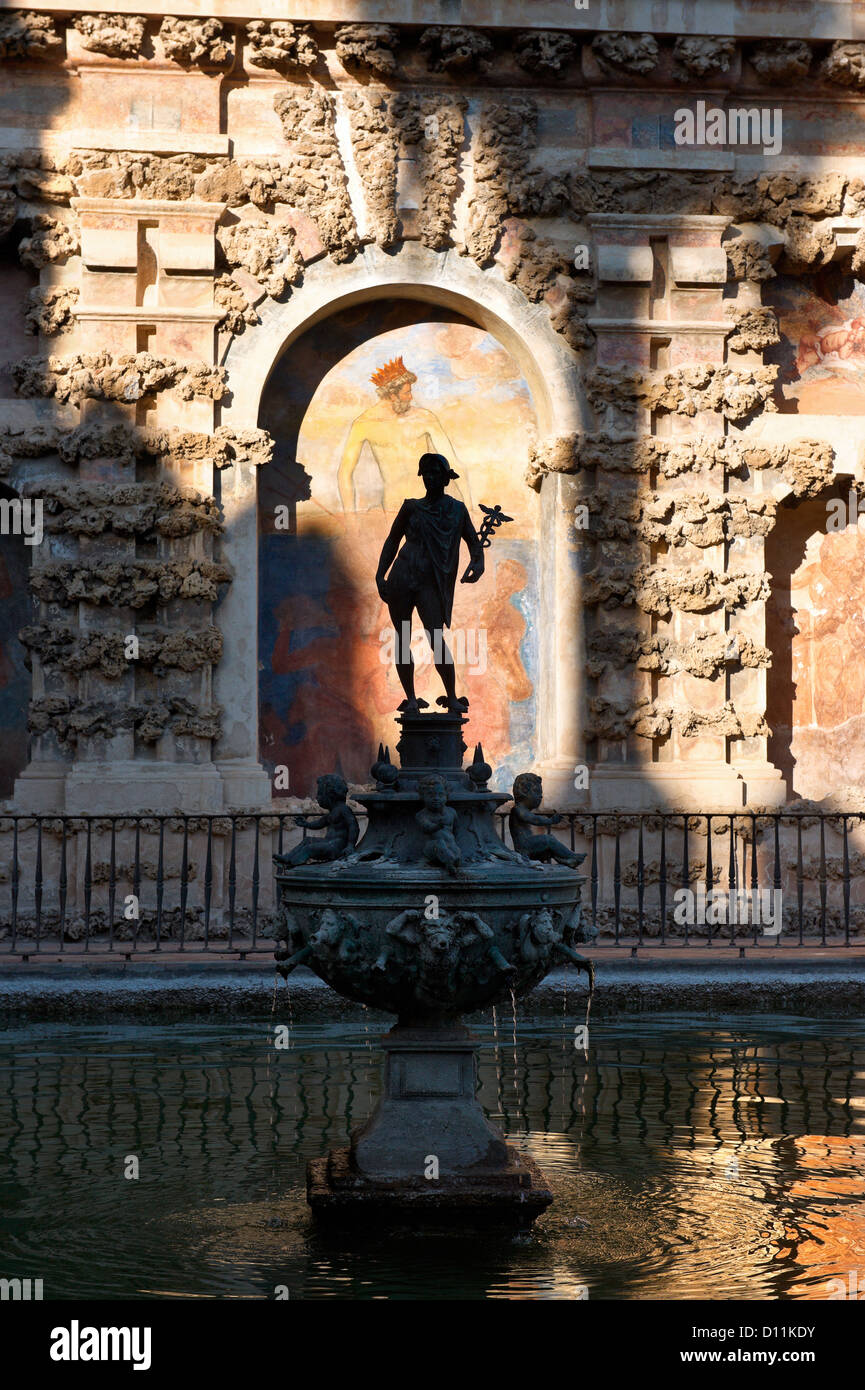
(686, 1191)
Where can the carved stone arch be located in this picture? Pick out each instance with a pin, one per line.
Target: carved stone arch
(412, 272)
(549, 367)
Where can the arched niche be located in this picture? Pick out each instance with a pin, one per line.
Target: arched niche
(452, 288)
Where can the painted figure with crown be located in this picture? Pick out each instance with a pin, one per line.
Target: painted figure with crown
(397, 430)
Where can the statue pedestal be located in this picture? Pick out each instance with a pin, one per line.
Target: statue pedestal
(428, 1152)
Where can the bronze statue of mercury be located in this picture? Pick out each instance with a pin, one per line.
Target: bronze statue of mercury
(423, 576)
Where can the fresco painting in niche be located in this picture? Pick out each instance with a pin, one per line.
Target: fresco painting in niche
(816, 627)
(822, 349)
(817, 614)
(329, 690)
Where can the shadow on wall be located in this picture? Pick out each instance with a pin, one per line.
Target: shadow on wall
(17, 609)
(17, 281)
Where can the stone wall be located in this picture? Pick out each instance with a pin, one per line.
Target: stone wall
(185, 194)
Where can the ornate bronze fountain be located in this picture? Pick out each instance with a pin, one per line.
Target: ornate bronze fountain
(429, 916)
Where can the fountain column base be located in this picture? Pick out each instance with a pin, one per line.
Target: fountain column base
(428, 1154)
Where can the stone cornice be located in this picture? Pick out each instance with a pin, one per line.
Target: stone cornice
(819, 20)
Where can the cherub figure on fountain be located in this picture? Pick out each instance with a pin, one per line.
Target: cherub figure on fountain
(339, 821)
(438, 819)
(528, 794)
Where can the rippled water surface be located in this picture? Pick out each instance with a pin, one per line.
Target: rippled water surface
(688, 1159)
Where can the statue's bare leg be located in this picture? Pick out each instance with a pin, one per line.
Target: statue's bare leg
(401, 615)
(430, 613)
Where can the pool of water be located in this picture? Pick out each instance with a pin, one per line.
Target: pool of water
(689, 1159)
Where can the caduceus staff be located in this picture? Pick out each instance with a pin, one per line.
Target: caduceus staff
(493, 518)
(424, 573)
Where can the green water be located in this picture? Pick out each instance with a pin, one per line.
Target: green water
(689, 1159)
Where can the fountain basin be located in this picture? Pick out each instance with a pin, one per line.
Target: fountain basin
(422, 944)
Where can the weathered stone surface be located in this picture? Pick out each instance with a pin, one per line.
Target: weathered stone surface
(99, 376)
(736, 393)
(127, 509)
(32, 441)
(701, 56)
(677, 519)
(806, 247)
(117, 35)
(637, 53)
(130, 583)
(727, 722)
(223, 447)
(455, 49)
(442, 120)
(131, 174)
(639, 190)
(536, 264)
(28, 35)
(616, 719)
(51, 310)
(781, 62)
(314, 179)
(45, 185)
(806, 464)
(237, 311)
(253, 447)
(503, 145)
(705, 655)
(845, 64)
(544, 52)
(369, 47)
(161, 650)
(656, 589)
(771, 198)
(756, 328)
(375, 141)
(774, 198)
(221, 182)
(749, 259)
(266, 251)
(281, 44)
(50, 241)
(71, 721)
(433, 127)
(203, 41)
(8, 211)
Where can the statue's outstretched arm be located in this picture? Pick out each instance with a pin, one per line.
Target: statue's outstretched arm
(475, 569)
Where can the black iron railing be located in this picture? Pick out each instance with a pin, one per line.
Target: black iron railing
(204, 883)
